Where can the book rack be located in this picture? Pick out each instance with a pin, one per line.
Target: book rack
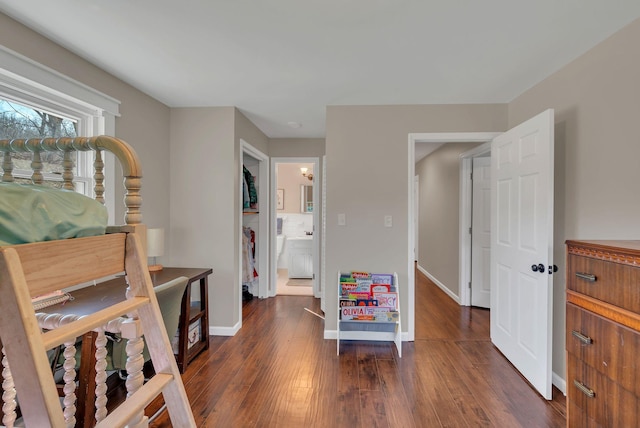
(377, 327)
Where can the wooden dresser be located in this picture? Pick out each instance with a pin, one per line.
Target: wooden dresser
(603, 334)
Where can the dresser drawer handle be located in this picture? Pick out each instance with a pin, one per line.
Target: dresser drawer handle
(586, 276)
(585, 390)
(582, 338)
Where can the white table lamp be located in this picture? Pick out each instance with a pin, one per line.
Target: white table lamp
(155, 247)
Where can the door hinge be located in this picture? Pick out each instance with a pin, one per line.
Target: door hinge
(469, 231)
(469, 284)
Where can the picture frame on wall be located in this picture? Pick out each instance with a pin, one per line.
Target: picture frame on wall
(280, 203)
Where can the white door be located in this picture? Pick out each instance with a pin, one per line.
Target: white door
(416, 217)
(522, 239)
(481, 233)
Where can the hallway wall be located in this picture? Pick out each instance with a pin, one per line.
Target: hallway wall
(438, 243)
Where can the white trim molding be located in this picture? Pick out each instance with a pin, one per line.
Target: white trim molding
(439, 284)
(430, 137)
(224, 331)
(29, 77)
(26, 81)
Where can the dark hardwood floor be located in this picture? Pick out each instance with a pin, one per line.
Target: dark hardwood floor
(278, 371)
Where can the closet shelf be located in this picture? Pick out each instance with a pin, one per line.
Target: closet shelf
(250, 212)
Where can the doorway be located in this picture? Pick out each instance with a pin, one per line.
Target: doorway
(294, 223)
(435, 140)
(521, 234)
(253, 274)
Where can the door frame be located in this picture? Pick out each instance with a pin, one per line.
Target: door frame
(273, 262)
(263, 248)
(433, 137)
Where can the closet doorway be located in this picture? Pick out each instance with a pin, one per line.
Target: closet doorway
(253, 234)
(295, 214)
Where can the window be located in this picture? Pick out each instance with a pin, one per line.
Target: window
(21, 121)
(43, 102)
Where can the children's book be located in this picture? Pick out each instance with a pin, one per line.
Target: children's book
(357, 313)
(359, 295)
(390, 316)
(356, 274)
(363, 285)
(380, 288)
(368, 313)
(382, 278)
(387, 300)
(348, 302)
(347, 287)
(366, 302)
(352, 312)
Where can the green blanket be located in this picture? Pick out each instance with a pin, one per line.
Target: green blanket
(32, 213)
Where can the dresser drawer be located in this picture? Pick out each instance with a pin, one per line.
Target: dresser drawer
(577, 418)
(599, 399)
(608, 347)
(614, 283)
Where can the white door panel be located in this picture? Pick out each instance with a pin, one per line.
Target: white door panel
(522, 236)
(481, 233)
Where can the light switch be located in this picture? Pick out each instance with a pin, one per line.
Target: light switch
(342, 220)
(388, 221)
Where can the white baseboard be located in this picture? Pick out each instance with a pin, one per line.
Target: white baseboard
(224, 331)
(331, 334)
(439, 284)
(559, 382)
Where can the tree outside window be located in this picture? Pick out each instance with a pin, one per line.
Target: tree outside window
(21, 121)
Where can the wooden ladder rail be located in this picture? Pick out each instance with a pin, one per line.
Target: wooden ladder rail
(24, 274)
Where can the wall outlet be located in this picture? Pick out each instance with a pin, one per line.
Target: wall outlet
(342, 220)
(388, 221)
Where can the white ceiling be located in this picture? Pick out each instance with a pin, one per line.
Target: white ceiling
(283, 61)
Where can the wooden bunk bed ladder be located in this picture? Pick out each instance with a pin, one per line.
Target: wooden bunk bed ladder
(30, 269)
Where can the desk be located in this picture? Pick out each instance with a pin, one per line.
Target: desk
(94, 298)
(191, 312)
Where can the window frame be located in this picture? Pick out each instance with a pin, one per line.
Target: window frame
(84, 161)
(25, 81)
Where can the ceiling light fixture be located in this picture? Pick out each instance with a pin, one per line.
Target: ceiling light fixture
(294, 125)
(304, 172)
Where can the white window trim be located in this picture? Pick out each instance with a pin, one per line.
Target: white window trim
(25, 80)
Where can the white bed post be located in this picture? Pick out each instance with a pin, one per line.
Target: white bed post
(8, 394)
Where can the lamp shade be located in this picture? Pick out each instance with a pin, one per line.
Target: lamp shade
(155, 242)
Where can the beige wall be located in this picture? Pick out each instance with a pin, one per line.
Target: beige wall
(290, 179)
(246, 130)
(597, 105)
(367, 178)
(206, 204)
(204, 218)
(143, 121)
(439, 205)
(296, 147)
